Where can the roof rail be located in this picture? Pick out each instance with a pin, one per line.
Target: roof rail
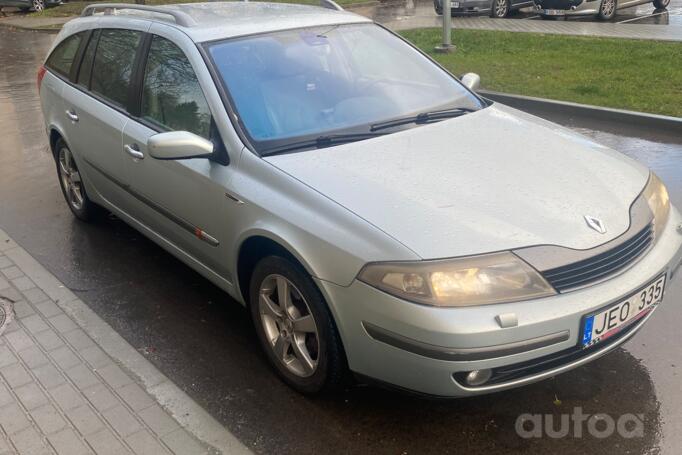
(331, 4)
(181, 18)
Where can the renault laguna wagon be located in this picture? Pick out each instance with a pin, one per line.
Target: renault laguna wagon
(374, 214)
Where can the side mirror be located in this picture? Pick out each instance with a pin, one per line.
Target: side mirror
(179, 145)
(472, 81)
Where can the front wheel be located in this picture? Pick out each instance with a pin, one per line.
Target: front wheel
(607, 9)
(295, 327)
(661, 4)
(499, 8)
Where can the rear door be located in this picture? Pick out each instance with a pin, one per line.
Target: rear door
(97, 108)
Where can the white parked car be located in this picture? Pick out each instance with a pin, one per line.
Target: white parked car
(374, 214)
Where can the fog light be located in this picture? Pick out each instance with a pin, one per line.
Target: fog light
(478, 377)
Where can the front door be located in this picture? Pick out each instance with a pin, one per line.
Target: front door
(183, 201)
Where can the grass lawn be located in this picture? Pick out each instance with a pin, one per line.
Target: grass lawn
(628, 74)
(75, 8)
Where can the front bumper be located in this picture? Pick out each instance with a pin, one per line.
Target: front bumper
(467, 6)
(459, 332)
(567, 7)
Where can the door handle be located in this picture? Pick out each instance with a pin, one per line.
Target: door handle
(133, 151)
(72, 115)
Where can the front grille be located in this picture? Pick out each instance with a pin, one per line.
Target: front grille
(598, 267)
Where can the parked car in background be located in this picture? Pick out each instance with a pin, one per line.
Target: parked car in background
(373, 213)
(496, 8)
(32, 5)
(602, 9)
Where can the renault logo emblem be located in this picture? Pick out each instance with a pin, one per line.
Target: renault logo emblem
(596, 224)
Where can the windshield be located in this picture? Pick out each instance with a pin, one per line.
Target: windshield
(299, 84)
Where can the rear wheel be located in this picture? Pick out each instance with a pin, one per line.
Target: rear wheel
(661, 4)
(500, 8)
(72, 184)
(607, 9)
(38, 5)
(295, 327)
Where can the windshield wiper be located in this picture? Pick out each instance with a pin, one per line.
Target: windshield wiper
(320, 142)
(424, 117)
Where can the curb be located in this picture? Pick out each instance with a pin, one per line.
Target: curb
(190, 415)
(622, 116)
(31, 29)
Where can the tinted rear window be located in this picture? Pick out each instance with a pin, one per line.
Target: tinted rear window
(63, 55)
(113, 65)
(86, 64)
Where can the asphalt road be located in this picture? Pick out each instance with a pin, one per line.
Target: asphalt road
(203, 340)
(389, 10)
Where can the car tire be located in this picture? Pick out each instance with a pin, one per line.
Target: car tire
(306, 353)
(37, 5)
(438, 8)
(500, 8)
(607, 9)
(661, 4)
(72, 184)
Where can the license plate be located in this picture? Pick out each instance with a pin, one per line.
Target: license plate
(608, 322)
(552, 12)
(454, 4)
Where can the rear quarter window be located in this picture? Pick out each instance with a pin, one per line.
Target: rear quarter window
(62, 57)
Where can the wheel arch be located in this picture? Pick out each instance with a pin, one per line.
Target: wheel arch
(54, 135)
(255, 246)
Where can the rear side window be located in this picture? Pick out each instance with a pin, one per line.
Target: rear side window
(113, 64)
(63, 55)
(86, 65)
(171, 95)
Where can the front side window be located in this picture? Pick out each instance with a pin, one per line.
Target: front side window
(300, 84)
(113, 64)
(171, 95)
(63, 55)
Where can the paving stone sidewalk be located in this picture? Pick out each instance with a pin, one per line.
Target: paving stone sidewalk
(70, 385)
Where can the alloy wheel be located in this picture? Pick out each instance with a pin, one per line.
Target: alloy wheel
(38, 5)
(71, 179)
(608, 7)
(501, 8)
(289, 325)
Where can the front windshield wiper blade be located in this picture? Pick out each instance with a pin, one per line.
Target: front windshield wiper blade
(320, 142)
(424, 117)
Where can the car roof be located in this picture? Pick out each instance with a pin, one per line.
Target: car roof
(219, 20)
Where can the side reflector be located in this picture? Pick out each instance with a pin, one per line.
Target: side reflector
(41, 74)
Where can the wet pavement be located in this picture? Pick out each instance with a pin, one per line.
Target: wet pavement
(203, 341)
(391, 10)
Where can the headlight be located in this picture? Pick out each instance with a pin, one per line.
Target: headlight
(475, 280)
(659, 202)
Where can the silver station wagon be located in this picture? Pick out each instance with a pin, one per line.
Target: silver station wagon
(379, 220)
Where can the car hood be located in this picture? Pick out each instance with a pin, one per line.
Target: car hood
(492, 180)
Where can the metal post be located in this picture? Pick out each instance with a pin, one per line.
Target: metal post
(447, 46)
